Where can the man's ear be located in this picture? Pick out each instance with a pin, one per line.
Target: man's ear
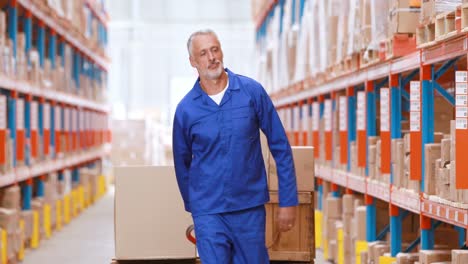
(192, 62)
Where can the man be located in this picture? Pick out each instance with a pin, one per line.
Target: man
(218, 161)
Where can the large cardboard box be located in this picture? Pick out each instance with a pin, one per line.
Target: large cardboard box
(305, 169)
(431, 256)
(403, 19)
(150, 220)
(459, 256)
(298, 244)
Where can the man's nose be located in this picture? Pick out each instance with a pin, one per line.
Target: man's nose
(210, 56)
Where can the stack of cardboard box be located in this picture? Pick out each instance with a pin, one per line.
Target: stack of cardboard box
(9, 220)
(348, 215)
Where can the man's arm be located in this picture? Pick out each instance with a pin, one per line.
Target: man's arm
(182, 152)
(273, 129)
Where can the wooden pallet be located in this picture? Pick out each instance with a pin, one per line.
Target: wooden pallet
(298, 244)
(445, 26)
(464, 17)
(425, 35)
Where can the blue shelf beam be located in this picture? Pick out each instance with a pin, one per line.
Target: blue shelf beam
(444, 93)
(13, 23)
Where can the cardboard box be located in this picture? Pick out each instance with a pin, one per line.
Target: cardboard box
(348, 204)
(334, 207)
(459, 256)
(445, 146)
(407, 258)
(11, 197)
(377, 249)
(304, 166)
(142, 232)
(407, 143)
(9, 219)
(431, 256)
(364, 257)
(432, 153)
(347, 224)
(27, 216)
(298, 244)
(360, 223)
(403, 19)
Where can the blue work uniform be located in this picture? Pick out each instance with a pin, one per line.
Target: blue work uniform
(220, 168)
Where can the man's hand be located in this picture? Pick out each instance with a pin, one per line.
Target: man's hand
(286, 218)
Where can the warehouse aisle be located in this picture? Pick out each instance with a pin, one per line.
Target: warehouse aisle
(88, 239)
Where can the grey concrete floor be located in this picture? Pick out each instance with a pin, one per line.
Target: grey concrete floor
(87, 239)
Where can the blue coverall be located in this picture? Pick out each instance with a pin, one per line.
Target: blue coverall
(220, 168)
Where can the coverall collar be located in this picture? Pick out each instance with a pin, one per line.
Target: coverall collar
(233, 85)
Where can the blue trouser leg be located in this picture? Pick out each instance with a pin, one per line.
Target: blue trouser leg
(234, 237)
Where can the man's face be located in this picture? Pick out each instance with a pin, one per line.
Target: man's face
(207, 56)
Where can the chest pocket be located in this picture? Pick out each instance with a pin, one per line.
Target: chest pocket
(244, 121)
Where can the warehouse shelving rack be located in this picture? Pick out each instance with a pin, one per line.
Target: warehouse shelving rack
(432, 68)
(33, 112)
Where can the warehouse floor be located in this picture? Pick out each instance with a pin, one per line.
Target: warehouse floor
(89, 238)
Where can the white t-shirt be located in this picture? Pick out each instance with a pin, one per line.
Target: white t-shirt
(217, 98)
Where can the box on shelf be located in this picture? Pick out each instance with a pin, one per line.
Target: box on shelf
(403, 17)
(431, 8)
(431, 256)
(432, 153)
(459, 256)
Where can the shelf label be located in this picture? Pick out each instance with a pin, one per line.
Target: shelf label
(46, 116)
(3, 112)
(415, 96)
(384, 109)
(461, 100)
(415, 126)
(34, 115)
(462, 111)
(315, 116)
(415, 86)
(327, 114)
(461, 88)
(343, 113)
(461, 76)
(462, 123)
(415, 116)
(58, 118)
(19, 114)
(415, 106)
(361, 110)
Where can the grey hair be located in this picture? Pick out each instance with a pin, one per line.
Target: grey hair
(197, 33)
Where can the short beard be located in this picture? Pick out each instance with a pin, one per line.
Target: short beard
(215, 75)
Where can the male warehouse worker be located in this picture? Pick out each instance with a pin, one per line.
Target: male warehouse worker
(218, 160)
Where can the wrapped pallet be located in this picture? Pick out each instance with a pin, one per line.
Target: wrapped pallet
(431, 8)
